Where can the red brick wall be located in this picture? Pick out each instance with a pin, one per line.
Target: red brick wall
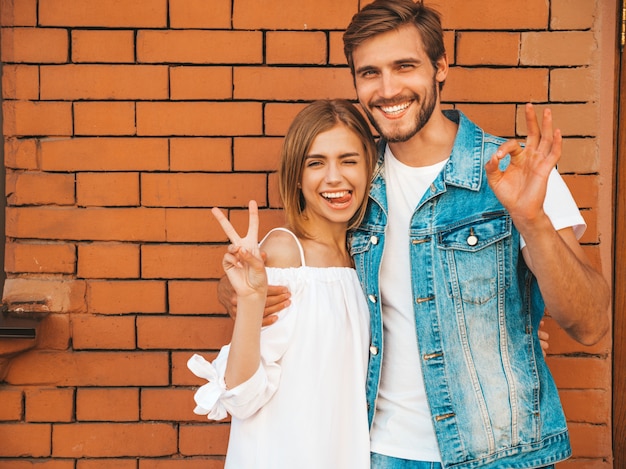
(125, 121)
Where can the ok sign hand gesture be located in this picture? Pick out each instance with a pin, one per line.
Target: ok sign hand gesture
(521, 187)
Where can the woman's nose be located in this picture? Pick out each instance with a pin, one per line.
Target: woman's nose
(333, 173)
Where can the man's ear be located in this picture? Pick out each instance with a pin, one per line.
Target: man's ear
(442, 68)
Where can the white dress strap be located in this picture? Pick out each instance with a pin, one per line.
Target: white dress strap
(280, 228)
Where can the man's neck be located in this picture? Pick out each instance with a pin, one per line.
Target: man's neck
(432, 144)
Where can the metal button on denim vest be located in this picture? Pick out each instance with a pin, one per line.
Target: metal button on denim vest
(477, 308)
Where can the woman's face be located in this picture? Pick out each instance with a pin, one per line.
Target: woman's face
(334, 178)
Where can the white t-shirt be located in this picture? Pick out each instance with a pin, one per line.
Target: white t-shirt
(402, 426)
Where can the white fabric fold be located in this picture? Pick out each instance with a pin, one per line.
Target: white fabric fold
(207, 396)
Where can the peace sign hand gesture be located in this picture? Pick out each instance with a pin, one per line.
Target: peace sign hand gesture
(243, 263)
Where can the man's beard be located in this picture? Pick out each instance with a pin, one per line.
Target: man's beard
(424, 115)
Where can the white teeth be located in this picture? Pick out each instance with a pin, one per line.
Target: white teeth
(334, 195)
(395, 109)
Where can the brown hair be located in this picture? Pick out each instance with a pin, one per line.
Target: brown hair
(318, 117)
(382, 16)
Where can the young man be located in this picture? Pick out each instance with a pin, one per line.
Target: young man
(460, 251)
(458, 257)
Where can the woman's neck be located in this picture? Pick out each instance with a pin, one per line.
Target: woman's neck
(326, 246)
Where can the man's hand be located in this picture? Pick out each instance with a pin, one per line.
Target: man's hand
(543, 339)
(278, 298)
(521, 187)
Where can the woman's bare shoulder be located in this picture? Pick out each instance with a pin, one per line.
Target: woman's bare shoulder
(281, 250)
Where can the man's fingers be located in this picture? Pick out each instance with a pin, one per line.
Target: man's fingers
(269, 320)
(274, 301)
(275, 290)
(226, 296)
(555, 151)
(278, 298)
(544, 139)
(532, 125)
(547, 133)
(543, 338)
(510, 147)
(275, 308)
(277, 293)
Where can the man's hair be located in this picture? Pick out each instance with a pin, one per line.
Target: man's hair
(382, 16)
(318, 117)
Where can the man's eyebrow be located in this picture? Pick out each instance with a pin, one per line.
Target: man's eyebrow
(406, 60)
(365, 68)
(411, 60)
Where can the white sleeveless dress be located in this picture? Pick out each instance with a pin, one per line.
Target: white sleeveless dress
(305, 406)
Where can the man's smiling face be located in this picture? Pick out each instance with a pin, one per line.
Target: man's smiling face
(396, 82)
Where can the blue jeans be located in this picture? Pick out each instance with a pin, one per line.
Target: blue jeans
(380, 461)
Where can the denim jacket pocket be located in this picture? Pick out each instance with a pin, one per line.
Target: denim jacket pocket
(476, 256)
(361, 241)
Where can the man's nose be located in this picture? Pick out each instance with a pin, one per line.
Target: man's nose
(389, 85)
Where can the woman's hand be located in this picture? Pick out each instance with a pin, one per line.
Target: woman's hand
(243, 263)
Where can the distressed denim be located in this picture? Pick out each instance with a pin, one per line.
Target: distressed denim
(477, 308)
(380, 461)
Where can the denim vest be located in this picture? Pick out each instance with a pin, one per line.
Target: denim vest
(477, 308)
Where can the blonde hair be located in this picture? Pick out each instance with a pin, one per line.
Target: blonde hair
(318, 117)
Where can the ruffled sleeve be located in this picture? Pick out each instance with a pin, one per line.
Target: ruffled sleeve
(215, 401)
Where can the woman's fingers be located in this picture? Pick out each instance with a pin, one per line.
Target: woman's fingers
(226, 226)
(230, 260)
(253, 222)
(251, 239)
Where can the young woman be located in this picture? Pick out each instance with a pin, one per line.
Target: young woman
(296, 389)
